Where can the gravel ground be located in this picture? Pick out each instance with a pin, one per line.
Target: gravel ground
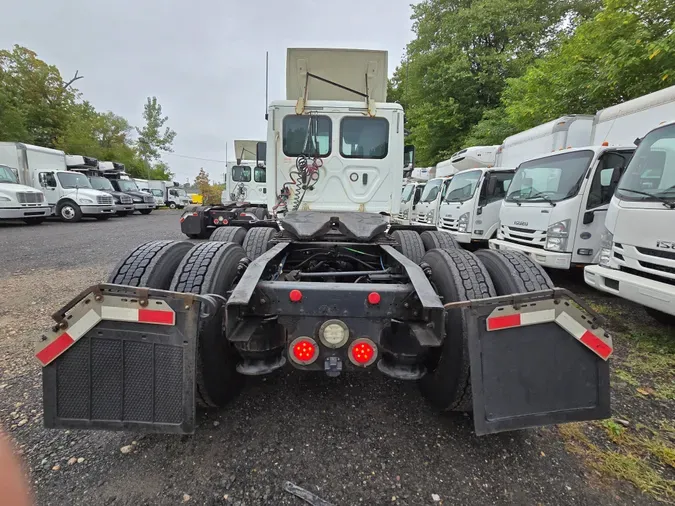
(359, 439)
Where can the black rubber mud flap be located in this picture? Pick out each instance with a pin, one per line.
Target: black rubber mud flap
(537, 359)
(122, 358)
(193, 223)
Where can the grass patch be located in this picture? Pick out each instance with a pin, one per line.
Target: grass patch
(639, 456)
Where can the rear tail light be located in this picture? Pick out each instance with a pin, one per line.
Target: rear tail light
(374, 298)
(362, 352)
(304, 350)
(295, 295)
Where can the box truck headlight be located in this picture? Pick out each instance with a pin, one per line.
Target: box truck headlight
(430, 215)
(84, 200)
(606, 248)
(405, 213)
(557, 235)
(463, 222)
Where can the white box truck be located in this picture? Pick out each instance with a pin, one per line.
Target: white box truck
(426, 210)
(20, 202)
(69, 194)
(554, 210)
(637, 255)
(474, 157)
(174, 196)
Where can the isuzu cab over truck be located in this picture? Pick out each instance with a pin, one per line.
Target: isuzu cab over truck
(427, 208)
(174, 196)
(637, 256)
(330, 287)
(410, 197)
(469, 210)
(69, 194)
(89, 167)
(555, 207)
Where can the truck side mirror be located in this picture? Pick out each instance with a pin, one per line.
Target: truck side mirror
(409, 157)
(260, 153)
(589, 216)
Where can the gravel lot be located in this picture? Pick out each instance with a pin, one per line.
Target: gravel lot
(360, 439)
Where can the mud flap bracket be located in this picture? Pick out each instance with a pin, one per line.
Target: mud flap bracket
(530, 368)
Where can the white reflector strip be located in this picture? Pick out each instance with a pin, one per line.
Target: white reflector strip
(547, 315)
(83, 325)
(571, 325)
(119, 314)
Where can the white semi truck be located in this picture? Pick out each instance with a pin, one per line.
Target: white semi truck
(333, 289)
(20, 202)
(637, 255)
(554, 209)
(246, 178)
(69, 194)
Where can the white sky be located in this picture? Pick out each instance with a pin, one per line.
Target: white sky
(204, 60)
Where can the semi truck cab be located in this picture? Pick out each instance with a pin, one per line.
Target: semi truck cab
(470, 208)
(72, 196)
(637, 256)
(555, 206)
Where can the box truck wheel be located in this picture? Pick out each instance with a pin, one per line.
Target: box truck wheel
(229, 234)
(410, 244)
(69, 211)
(456, 275)
(172, 205)
(257, 241)
(434, 239)
(34, 221)
(211, 267)
(514, 272)
(151, 265)
(145, 211)
(661, 317)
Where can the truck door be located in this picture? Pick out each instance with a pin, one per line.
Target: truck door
(47, 181)
(604, 180)
(494, 187)
(258, 190)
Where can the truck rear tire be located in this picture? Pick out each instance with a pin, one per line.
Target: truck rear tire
(457, 275)
(257, 241)
(513, 272)
(151, 265)
(410, 244)
(434, 239)
(229, 234)
(211, 267)
(69, 212)
(145, 211)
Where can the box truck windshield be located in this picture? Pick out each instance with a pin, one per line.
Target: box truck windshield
(71, 180)
(463, 186)
(126, 185)
(651, 175)
(431, 190)
(101, 183)
(552, 179)
(407, 193)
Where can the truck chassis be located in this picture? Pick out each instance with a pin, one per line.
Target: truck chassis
(179, 325)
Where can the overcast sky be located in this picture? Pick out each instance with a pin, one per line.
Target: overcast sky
(204, 60)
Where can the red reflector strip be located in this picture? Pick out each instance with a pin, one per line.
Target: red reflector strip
(55, 348)
(154, 316)
(503, 322)
(596, 344)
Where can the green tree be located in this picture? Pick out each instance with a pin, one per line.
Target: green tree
(152, 140)
(210, 192)
(456, 67)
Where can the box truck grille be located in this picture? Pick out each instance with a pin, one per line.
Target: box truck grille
(148, 199)
(656, 253)
(422, 218)
(30, 197)
(126, 199)
(104, 200)
(534, 238)
(656, 267)
(647, 275)
(449, 224)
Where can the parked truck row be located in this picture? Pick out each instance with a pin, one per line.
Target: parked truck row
(38, 182)
(571, 184)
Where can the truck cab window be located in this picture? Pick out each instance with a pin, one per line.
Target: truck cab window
(364, 138)
(606, 178)
(407, 192)
(241, 173)
(418, 194)
(47, 179)
(259, 175)
(497, 186)
(308, 134)
(7, 175)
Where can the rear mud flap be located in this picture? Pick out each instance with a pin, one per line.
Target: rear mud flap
(122, 358)
(537, 359)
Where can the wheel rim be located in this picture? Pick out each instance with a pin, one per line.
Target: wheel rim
(68, 212)
(172, 205)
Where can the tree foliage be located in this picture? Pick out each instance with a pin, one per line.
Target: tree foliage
(38, 107)
(210, 192)
(479, 71)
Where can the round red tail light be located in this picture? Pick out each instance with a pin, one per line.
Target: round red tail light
(304, 350)
(374, 298)
(362, 352)
(295, 295)
(215, 221)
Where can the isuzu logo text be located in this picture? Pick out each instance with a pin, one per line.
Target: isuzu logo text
(522, 223)
(665, 244)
